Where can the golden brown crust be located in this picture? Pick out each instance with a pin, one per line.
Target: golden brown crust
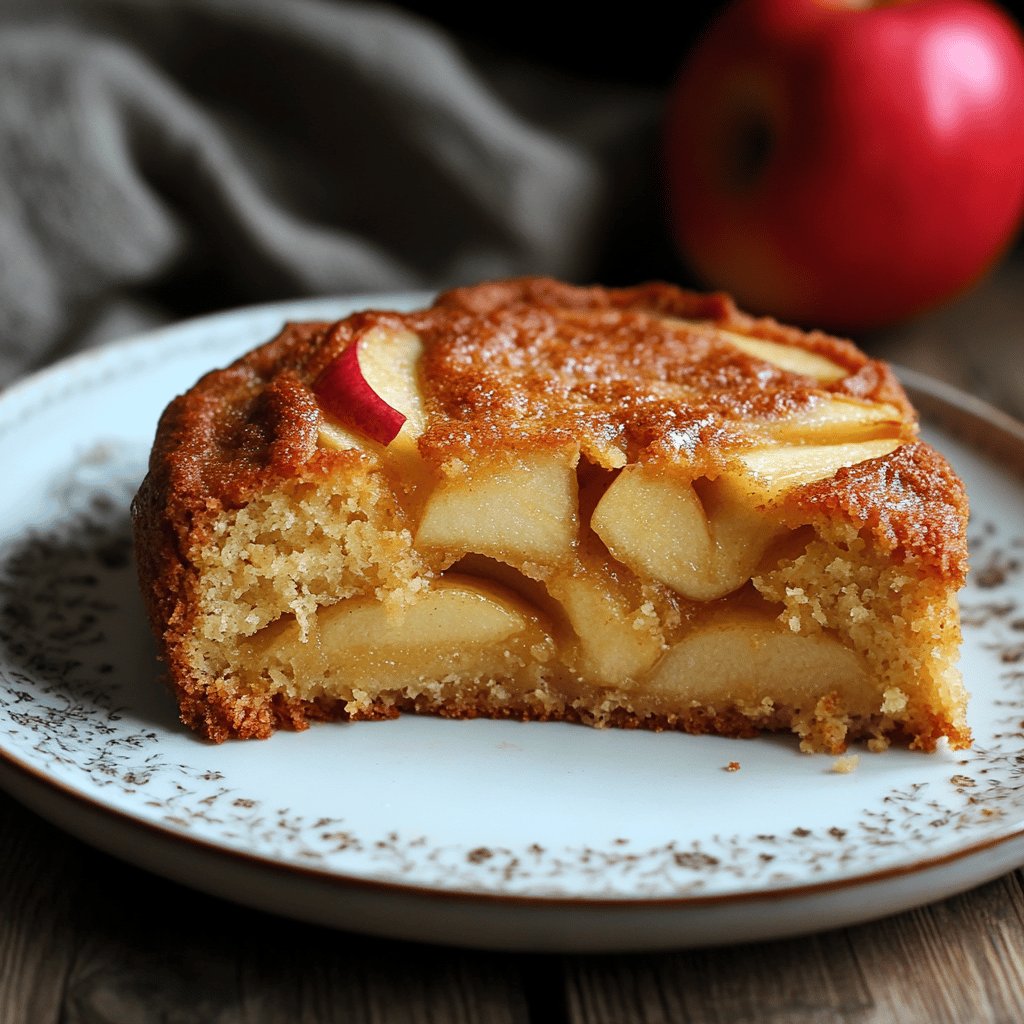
(911, 500)
(588, 363)
(869, 379)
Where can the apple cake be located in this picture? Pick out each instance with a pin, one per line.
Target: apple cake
(631, 507)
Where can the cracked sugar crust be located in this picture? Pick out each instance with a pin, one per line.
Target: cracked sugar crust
(536, 364)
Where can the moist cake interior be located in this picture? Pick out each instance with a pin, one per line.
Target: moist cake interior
(628, 508)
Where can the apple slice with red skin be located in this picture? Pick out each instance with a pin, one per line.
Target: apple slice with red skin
(372, 402)
(343, 391)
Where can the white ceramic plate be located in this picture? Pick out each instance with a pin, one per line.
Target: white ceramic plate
(499, 834)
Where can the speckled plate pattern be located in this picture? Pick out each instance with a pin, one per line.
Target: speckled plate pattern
(496, 834)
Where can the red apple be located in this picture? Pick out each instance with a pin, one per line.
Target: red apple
(848, 164)
(343, 391)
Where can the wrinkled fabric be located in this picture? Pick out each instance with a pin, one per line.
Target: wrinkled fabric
(162, 159)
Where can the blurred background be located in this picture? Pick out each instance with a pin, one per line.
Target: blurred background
(165, 158)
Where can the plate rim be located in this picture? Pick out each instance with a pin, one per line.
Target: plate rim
(342, 880)
(992, 431)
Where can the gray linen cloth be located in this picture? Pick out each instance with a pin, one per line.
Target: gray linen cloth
(160, 158)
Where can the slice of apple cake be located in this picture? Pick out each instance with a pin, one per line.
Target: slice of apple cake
(628, 507)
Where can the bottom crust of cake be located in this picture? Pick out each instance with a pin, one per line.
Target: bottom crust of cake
(826, 727)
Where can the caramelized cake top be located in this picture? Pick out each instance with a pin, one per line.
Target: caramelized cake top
(649, 374)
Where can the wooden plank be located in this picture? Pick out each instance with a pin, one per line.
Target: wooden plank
(960, 960)
(205, 961)
(334, 977)
(86, 939)
(36, 927)
(814, 979)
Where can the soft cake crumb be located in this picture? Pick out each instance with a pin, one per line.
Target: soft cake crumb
(894, 700)
(845, 765)
(732, 766)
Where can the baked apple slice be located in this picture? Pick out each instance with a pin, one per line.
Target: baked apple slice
(706, 541)
(371, 392)
(460, 625)
(518, 509)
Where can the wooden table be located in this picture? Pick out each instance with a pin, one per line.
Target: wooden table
(85, 939)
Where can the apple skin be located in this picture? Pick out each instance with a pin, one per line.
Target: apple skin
(343, 391)
(847, 167)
